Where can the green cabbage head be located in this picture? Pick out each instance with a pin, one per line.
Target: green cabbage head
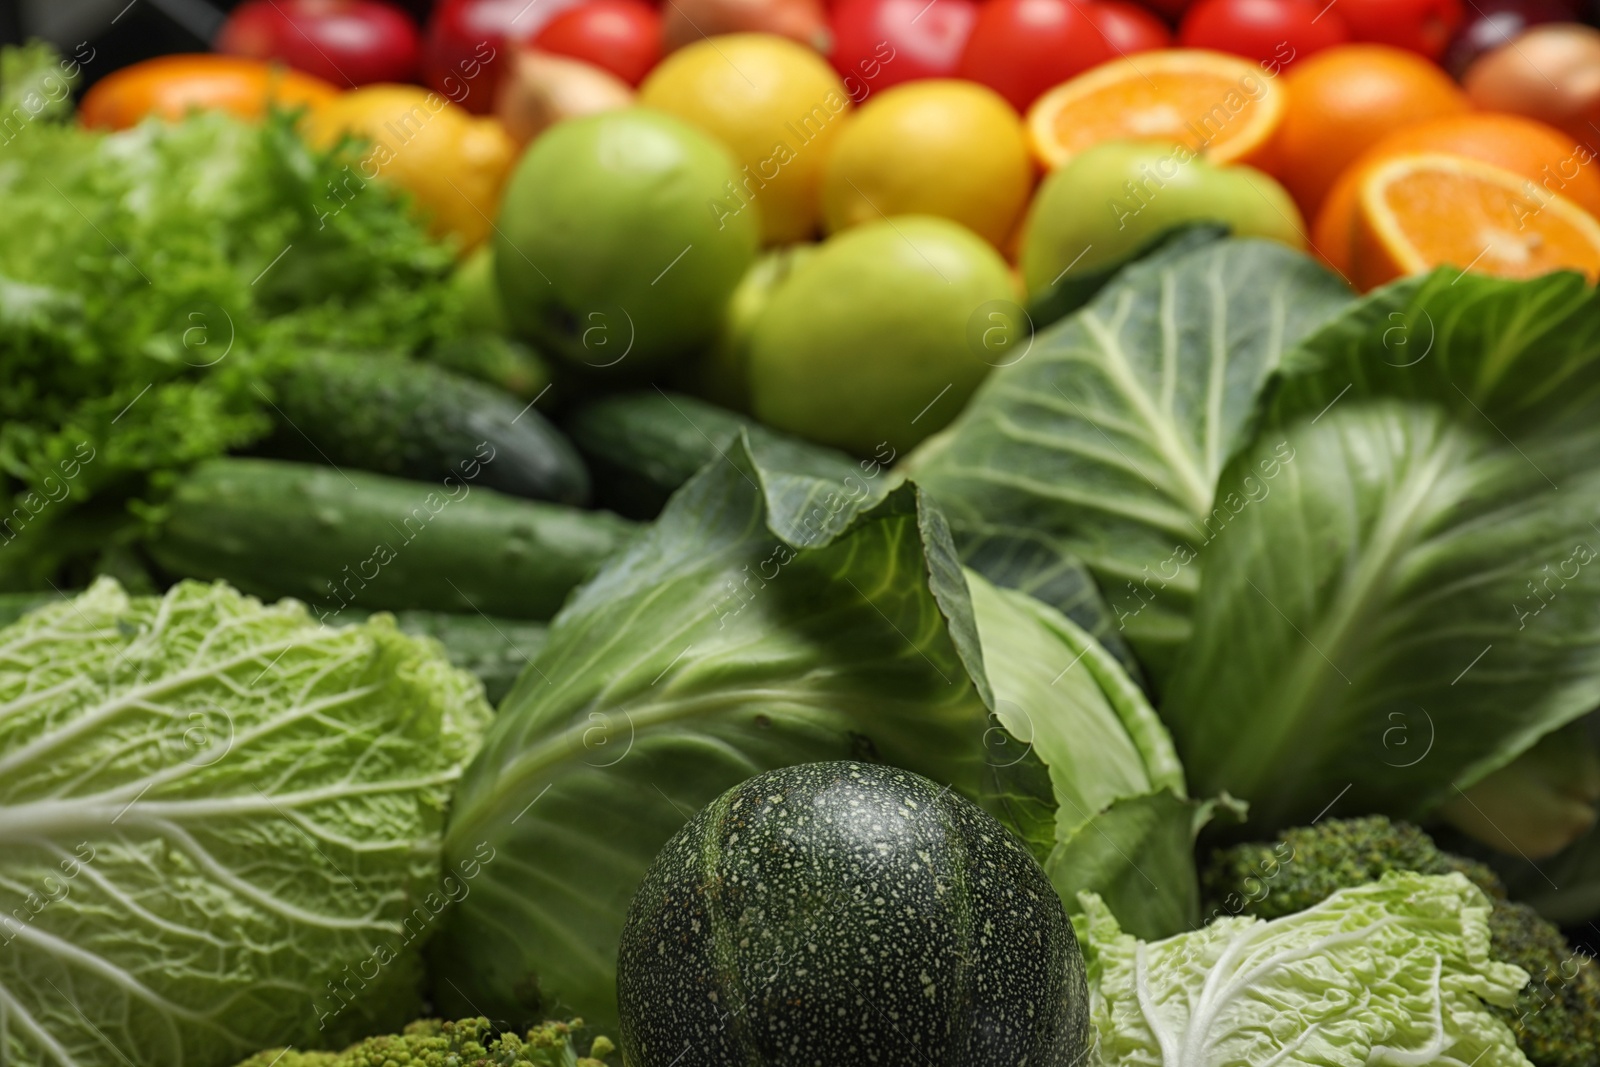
(219, 826)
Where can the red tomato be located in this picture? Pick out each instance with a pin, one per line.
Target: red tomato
(1424, 26)
(346, 42)
(1129, 28)
(461, 54)
(1020, 48)
(1173, 9)
(879, 43)
(622, 36)
(1274, 33)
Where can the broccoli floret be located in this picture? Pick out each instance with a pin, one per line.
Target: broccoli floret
(1308, 864)
(468, 1043)
(1557, 1015)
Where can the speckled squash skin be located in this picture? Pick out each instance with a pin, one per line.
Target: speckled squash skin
(844, 915)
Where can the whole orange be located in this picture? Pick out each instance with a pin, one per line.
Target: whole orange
(1541, 154)
(1342, 101)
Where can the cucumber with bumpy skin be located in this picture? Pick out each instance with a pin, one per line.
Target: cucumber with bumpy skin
(495, 650)
(417, 420)
(344, 538)
(14, 606)
(642, 446)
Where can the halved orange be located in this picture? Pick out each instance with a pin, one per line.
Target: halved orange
(1418, 212)
(1220, 106)
(1530, 149)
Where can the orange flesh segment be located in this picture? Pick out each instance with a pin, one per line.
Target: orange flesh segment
(1184, 109)
(1220, 105)
(1436, 210)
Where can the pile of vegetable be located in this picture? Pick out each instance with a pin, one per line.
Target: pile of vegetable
(427, 651)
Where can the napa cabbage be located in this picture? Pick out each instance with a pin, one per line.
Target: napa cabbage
(219, 826)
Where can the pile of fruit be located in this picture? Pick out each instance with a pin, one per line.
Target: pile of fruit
(960, 159)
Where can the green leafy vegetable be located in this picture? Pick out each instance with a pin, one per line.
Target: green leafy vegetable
(1556, 1017)
(219, 826)
(775, 616)
(148, 279)
(1412, 605)
(1110, 771)
(1503, 356)
(1107, 439)
(35, 86)
(468, 1043)
(1394, 972)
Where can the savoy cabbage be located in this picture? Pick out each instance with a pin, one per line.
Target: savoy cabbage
(219, 826)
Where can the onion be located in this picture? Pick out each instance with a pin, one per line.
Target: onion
(1550, 73)
(540, 89)
(686, 21)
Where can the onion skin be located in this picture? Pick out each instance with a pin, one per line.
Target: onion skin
(687, 21)
(1550, 73)
(540, 89)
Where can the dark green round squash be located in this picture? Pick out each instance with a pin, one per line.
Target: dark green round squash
(845, 915)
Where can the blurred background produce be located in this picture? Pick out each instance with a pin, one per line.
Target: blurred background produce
(733, 384)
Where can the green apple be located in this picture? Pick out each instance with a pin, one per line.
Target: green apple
(722, 375)
(480, 295)
(878, 337)
(612, 249)
(1113, 199)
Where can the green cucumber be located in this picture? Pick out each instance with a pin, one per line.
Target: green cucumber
(848, 913)
(417, 420)
(497, 361)
(642, 446)
(344, 538)
(496, 650)
(14, 606)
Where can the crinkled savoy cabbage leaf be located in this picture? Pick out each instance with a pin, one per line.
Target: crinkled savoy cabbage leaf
(1391, 974)
(219, 826)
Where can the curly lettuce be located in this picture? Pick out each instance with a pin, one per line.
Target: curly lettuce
(1396, 973)
(150, 280)
(219, 826)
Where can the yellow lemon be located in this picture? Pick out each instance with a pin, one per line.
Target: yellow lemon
(452, 162)
(776, 104)
(953, 149)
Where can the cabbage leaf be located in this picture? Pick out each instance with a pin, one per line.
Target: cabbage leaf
(1413, 605)
(1499, 354)
(775, 616)
(219, 826)
(1396, 973)
(1107, 439)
